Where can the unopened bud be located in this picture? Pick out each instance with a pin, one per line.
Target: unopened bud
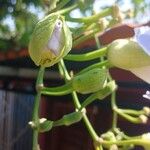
(113, 147)
(143, 119)
(127, 54)
(45, 125)
(115, 11)
(103, 23)
(146, 111)
(90, 81)
(146, 143)
(50, 41)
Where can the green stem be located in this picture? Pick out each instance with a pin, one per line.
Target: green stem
(97, 42)
(85, 37)
(132, 112)
(113, 105)
(88, 101)
(80, 31)
(58, 123)
(58, 91)
(76, 100)
(92, 18)
(101, 94)
(64, 69)
(126, 142)
(88, 56)
(68, 9)
(96, 65)
(35, 116)
(98, 46)
(135, 120)
(90, 128)
(60, 5)
(78, 105)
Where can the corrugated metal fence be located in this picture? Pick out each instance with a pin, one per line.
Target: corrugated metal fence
(15, 113)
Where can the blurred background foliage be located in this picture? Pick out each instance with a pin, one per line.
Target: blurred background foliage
(18, 17)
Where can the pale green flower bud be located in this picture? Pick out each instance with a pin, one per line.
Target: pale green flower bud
(146, 138)
(127, 54)
(133, 55)
(90, 81)
(110, 136)
(45, 125)
(72, 118)
(51, 40)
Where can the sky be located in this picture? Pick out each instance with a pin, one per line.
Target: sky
(97, 5)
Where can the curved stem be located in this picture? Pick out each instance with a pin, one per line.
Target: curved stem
(85, 37)
(101, 94)
(135, 120)
(88, 56)
(96, 65)
(64, 69)
(57, 91)
(68, 9)
(126, 142)
(60, 5)
(88, 101)
(35, 116)
(132, 112)
(113, 105)
(78, 105)
(92, 18)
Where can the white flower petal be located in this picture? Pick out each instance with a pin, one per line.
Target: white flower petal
(54, 43)
(142, 72)
(142, 36)
(147, 95)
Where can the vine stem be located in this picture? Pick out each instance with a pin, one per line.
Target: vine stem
(87, 56)
(78, 105)
(126, 142)
(132, 112)
(132, 119)
(68, 9)
(60, 5)
(35, 116)
(113, 95)
(92, 18)
(113, 105)
(85, 37)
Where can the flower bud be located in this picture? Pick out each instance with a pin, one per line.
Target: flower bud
(146, 111)
(115, 11)
(90, 81)
(127, 54)
(51, 40)
(143, 119)
(110, 136)
(113, 147)
(72, 118)
(146, 143)
(45, 125)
